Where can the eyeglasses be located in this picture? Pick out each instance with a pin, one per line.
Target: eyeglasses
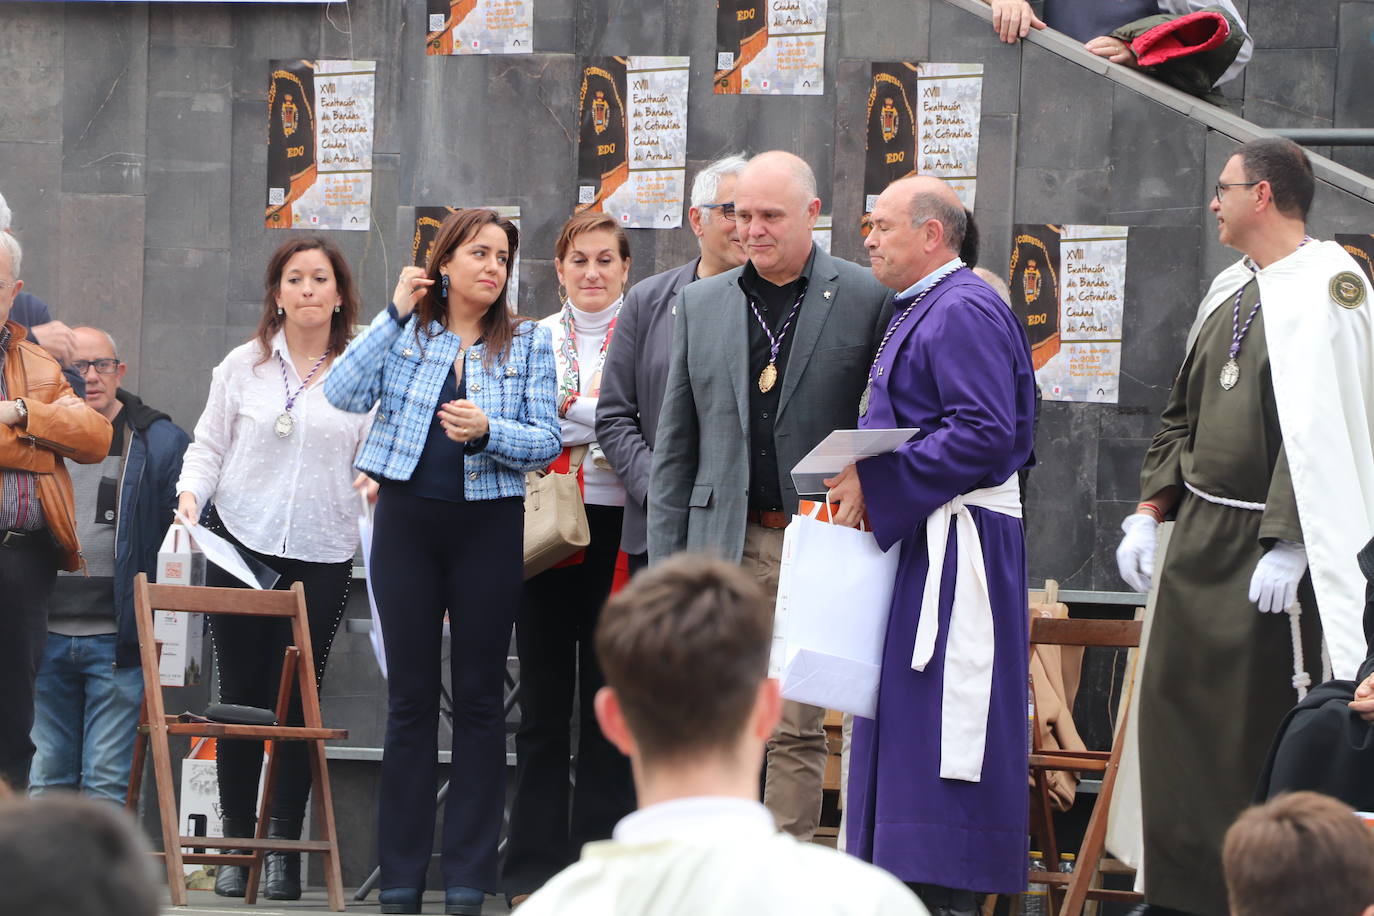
(106, 366)
(6, 284)
(1222, 186)
(727, 209)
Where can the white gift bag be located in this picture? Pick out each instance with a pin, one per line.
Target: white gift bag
(834, 595)
(181, 633)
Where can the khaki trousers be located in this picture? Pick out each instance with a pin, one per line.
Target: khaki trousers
(795, 769)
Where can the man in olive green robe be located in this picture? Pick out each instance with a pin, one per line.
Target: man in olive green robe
(1222, 666)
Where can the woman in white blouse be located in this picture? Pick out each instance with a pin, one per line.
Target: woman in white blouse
(559, 608)
(273, 459)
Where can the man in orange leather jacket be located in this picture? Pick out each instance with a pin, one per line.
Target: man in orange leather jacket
(41, 423)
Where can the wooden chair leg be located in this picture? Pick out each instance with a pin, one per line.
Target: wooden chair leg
(136, 767)
(290, 661)
(324, 816)
(1095, 837)
(167, 811)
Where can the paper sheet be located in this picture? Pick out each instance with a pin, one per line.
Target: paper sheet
(840, 449)
(226, 556)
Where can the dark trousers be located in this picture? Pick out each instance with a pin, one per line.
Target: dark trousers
(27, 574)
(636, 561)
(249, 652)
(553, 634)
(428, 556)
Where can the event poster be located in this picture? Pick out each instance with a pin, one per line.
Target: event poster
(951, 110)
(632, 140)
(770, 47)
(1068, 286)
(1361, 248)
(479, 26)
(1033, 278)
(922, 119)
(427, 223)
(319, 144)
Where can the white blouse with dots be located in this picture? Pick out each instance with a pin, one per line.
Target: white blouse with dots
(288, 497)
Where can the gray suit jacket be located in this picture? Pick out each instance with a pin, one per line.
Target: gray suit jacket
(698, 495)
(632, 382)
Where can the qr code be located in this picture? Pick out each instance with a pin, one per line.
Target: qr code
(870, 201)
(725, 60)
(436, 22)
(276, 197)
(586, 194)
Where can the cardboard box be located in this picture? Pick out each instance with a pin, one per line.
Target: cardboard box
(182, 635)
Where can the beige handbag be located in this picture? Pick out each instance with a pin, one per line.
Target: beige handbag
(555, 518)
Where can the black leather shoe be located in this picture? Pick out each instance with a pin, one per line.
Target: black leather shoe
(947, 901)
(282, 870)
(399, 900)
(232, 880)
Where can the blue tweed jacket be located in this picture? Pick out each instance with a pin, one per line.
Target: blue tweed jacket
(386, 365)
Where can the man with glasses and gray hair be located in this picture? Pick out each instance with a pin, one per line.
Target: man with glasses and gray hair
(636, 369)
(90, 684)
(41, 423)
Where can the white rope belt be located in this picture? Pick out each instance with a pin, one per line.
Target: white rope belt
(966, 691)
(1301, 679)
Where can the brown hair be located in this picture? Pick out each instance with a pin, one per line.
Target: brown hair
(340, 323)
(685, 646)
(1285, 165)
(498, 325)
(1297, 854)
(588, 221)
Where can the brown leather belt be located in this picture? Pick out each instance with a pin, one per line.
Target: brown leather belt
(768, 519)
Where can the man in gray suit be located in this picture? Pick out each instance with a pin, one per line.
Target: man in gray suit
(767, 360)
(636, 368)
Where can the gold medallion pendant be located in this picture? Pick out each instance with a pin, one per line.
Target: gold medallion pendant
(768, 378)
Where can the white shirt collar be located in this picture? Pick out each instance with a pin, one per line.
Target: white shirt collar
(924, 283)
(278, 345)
(716, 814)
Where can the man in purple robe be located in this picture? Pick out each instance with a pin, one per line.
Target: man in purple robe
(937, 780)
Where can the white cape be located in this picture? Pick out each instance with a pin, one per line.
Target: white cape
(1321, 356)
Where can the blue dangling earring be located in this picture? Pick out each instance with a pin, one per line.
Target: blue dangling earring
(443, 286)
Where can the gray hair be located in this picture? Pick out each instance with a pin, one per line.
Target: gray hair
(927, 206)
(5, 215)
(10, 244)
(707, 183)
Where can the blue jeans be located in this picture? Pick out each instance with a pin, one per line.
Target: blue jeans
(85, 717)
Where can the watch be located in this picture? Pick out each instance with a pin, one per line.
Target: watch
(23, 412)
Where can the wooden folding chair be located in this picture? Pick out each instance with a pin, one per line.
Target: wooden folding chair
(1077, 888)
(298, 672)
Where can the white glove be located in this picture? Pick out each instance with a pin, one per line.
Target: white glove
(1135, 556)
(1274, 586)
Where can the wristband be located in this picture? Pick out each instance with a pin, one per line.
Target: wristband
(1152, 510)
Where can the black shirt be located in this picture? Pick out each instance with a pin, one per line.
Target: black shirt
(774, 304)
(439, 474)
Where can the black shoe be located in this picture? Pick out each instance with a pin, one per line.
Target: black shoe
(282, 870)
(399, 900)
(947, 901)
(232, 880)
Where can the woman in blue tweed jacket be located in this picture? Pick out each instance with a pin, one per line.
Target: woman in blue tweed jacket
(465, 406)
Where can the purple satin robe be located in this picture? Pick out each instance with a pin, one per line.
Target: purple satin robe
(959, 368)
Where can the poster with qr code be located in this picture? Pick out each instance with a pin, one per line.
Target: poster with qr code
(319, 144)
(479, 27)
(427, 223)
(770, 47)
(632, 140)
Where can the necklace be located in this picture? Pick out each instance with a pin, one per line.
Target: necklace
(286, 423)
(769, 376)
(570, 384)
(892, 329)
(1230, 370)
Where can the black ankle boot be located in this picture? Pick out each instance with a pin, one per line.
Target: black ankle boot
(232, 880)
(282, 870)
